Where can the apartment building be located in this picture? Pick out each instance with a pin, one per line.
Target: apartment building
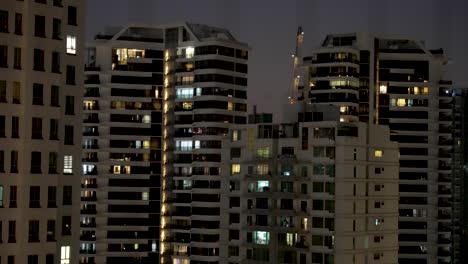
(398, 82)
(40, 122)
(158, 101)
(122, 146)
(313, 191)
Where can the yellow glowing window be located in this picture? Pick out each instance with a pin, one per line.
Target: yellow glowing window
(378, 153)
(401, 102)
(383, 89)
(230, 106)
(425, 90)
(235, 135)
(235, 169)
(343, 109)
(263, 152)
(187, 105)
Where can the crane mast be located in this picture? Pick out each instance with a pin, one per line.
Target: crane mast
(294, 95)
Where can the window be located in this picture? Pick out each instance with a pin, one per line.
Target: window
(38, 64)
(235, 153)
(18, 24)
(233, 251)
(383, 89)
(33, 231)
(3, 56)
(55, 62)
(65, 255)
(70, 78)
(13, 196)
(58, 3)
(54, 95)
(378, 221)
(56, 28)
(38, 91)
(261, 237)
(71, 45)
(1, 196)
(52, 197)
(50, 230)
(41, 1)
(68, 164)
(36, 128)
(66, 225)
(16, 92)
(36, 162)
(49, 258)
(3, 91)
(52, 162)
(34, 197)
(39, 26)
(14, 162)
(378, 153)
(53, 129)
(236, 135)
(68, 135)
(263, 152)
(3, 21)
(2, 126)
(69, 105)
(2, 161)
(17, 59)
(72, 16)
(11, 260)
(235, 169)
(32, 259)
(11, 232)
(67, 195)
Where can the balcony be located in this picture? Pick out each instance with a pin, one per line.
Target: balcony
(92, 198)
(93, 79)
(87, 251)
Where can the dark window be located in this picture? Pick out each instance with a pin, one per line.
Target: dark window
(11, 234)
(3, 91)
(68, 135)
(52, 162)
(70, 75)
(50, 230)
(18, 24)
(53, 130)
(54, 95)
(69, 105)
(2, 161)
(13, 196)
(3, 56)
(11, 260)
(72, 16)
(33, 233)
(38, 64)
(3, 21)
(15, 127)
(50, 257)
(36, 128)
(67, 195)
(55, 62)
(16, 92)
(235, 153)
(39, 26)
(33, 259)
(38, 92)
(52, 197)
(56, 28)
(2, 126)
(41, 1)
(36, 162)
(17, 59)
(66, 225)
(14, 162)
(34, 197)
(59, 4)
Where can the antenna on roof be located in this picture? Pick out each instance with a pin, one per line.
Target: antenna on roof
(294, 94)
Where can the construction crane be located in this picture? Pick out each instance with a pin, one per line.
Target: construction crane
(296, 77)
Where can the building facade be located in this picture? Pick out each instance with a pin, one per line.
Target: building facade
(122, 147)
(40, 122)
(398, 82)
(313, 191)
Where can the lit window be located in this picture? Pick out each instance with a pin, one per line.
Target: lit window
(71, 44)
(235, 135)
(144, 196)
(230, 106)
(189, 52)
(378, 153)
(261, 237)
(146, 119)
(263, 186)
(65, 255)
(184, 93)
(343, 109)
(263, 152)
(383, 89)
(68, 164)
(290, 239)
(378, 221)
(235, 169)
(401, 102)
(187, 105)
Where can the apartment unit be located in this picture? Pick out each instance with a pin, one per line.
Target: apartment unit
(122, 147)
(40, 122)
(313, 191)
(398, 82)
(158, 102)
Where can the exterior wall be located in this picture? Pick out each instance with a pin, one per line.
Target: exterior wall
(46, 247)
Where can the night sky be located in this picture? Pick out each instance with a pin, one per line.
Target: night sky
(269, 27)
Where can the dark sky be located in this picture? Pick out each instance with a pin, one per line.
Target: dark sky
(269, 27)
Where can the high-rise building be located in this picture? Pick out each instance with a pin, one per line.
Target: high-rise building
(158, 103)
(315, 190)
(40, 124)
(398, 82)
(122, 147)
